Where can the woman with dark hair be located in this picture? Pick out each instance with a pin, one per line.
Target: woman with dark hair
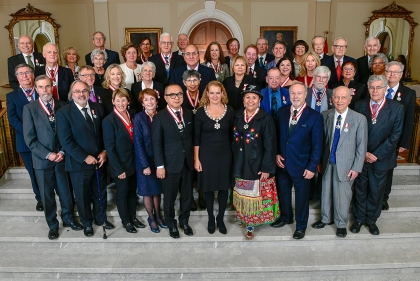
(299, 48)
(213, 58)
(130, 67)
(287, 78)
(358, 90)
(148, 185)
(233, 51)
(377, 64)
(145, 51)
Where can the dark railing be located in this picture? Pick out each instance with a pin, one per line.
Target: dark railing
(414, 152)
(8, 155)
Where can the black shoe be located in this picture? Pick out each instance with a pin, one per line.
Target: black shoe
(74, 225)
(341, 232)
(299, 234)
(162, 224)
(138, 223)
(373, 229)
(211, 225)
(355, 227)
(108, 225)
(173, 232)
(193, 206)
(279, 223)
(39, 207)
(201, 203)
(221, 225)
(88, 231)
(385, 206)
(53, 234)
(129, 228)
(156, 229)
(187, 229)
(319, 224)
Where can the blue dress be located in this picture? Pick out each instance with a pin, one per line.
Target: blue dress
(146, 185)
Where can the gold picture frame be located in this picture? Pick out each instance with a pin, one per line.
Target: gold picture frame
(272, 33)
(133, 34)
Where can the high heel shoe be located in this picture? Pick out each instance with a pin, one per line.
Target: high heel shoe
(161, 223)
(211, 227)
(155, 230)
(221, 225)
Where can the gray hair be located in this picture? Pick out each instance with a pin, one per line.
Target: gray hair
(98, 32)
(372, 38)
(190, 73)
(391, 63)
(374, 78)
(32, 40)
(378, 55)
(188, 38)
(347, 90)
(299, 83)
(338, 38)
(23, 65)
(150, 64)
(318, 36)
(266, 41)
(322, 69)
(72, 85)
(49, 44)
(97, 52)
(164, 35)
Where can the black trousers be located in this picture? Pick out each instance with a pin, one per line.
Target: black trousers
(172, 184)
(86, 188)
(27, 161)
(126, 197)
(388, 185)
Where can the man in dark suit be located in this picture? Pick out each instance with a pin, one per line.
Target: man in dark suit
(385, 119)
(16, 100)
(79, 129)
(192, 60)
(165, 61)
(299, 147)
(254, 69)
(407, 97)
(172, 135)
(372, 47)
(318, 44)
(48, 156)
(263, 56)
(182, 42)
(336, 61)
(274, 96)
(62, 77)
(27, 55)
(99, 41)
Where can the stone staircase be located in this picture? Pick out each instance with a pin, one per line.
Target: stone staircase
(27, 254)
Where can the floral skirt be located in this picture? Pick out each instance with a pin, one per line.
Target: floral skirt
(259, 206)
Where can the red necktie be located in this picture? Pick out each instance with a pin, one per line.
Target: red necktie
(251, 73)
(55, 93)
(338, 70)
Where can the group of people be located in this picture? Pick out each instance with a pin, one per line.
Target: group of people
(247, 129)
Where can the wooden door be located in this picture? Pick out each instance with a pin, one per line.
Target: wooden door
(207, 32)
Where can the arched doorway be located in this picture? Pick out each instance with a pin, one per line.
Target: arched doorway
(209, 31)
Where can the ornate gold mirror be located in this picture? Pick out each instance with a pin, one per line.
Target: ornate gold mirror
(394, 27)
(35, 23)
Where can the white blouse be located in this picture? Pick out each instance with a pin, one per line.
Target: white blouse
(129, 75)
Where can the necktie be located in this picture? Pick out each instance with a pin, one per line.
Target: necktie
(375, 108)
(273, 103)
(389, 95)
(292, 126)
(318, 102)
(92, 96)
(89, 119)
(338, 70)
(52, 114)
(251, 73)
(55, 93)
(335, 140)
(30, 63)
(261, 61)
(167, 66)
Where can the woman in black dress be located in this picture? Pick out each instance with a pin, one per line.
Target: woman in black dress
(212, 153)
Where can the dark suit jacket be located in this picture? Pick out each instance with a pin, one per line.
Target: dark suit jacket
(358, 91)
(119, 146)
(160, 76)
(135, 92)
(268, 58)
(65, 78)
(207, 75)
(16, 100)
(363, 69)
(260, 75)
(235, 99)
(328, 95)
(104, 97)
(383, 136)
(76, 137)
(113, 57)
(170, 148)
(324, 58)
(303, 147)
(408, 100)
(39, 135)
(330, 63)
(12, 62)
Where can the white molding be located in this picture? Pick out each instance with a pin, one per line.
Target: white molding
(324, 1)
(210, 7)
(100, 1)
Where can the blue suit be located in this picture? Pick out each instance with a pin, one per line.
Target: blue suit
(282, 97)
(207, 75)
(16, 100)
(301, 151)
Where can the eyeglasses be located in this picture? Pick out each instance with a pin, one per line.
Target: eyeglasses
(175, 95)
(26, 73)
(348, 69)
(377, 88)
(165, 43)
(84, 91)
(87, 75)
(192, 81)
(393, 72)
(191, 54)
(341, 47)
(40, 88)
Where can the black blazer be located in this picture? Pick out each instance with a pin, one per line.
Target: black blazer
(104, 97)
(358, 91)
(408, 100)
(383, 136)
(363, 69)
(65, 78)
(330, 63)
(160, 76)
(170, 148)
(119, 146)
(207, 75)
(260, 75)
(268, 58)
(76, 137)
(235, 99)
(325, 57)
(113, 57)
(135, 92)
(12, 62)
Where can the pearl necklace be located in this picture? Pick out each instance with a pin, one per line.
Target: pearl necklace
(217, 119)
